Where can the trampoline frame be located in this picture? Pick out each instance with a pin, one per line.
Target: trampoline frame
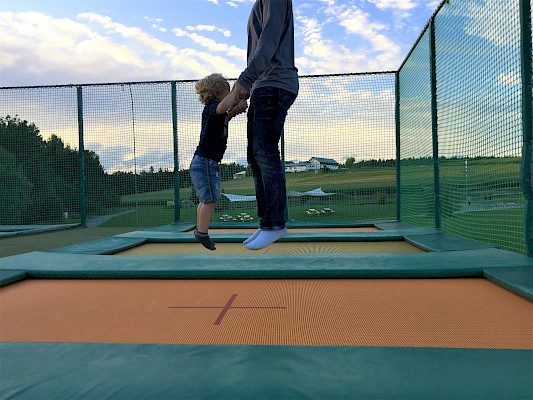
(90, 370)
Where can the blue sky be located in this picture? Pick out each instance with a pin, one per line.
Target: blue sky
(95, 41)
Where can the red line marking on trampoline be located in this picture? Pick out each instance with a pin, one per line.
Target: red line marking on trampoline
(226, 308)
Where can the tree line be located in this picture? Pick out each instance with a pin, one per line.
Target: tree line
(40, 179)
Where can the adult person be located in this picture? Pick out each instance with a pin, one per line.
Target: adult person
(270, 80)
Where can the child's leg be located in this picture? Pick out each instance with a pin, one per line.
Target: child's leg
(204, 213)
(198, 212)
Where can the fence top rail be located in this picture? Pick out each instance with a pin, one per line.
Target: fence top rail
(72, 85)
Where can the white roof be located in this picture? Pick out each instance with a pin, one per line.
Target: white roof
(291, 193)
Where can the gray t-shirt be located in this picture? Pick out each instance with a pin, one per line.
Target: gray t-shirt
(271, 47)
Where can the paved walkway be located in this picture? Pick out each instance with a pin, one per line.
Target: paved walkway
(97, 220)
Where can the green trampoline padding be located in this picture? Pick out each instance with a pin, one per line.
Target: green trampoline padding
(104, 371)
(518, 280)
(8, 277)
(16, 230)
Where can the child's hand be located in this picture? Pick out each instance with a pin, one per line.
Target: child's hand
(241, 107)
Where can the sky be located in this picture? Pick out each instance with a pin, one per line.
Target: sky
(58, 42)
(77, 42)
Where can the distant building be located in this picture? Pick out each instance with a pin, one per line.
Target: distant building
(317, 163)
(314, 164)
(295, 166)
(239, 175)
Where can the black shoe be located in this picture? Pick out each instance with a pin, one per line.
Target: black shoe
(204, 239)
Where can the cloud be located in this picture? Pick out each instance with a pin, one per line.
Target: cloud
(509, 79)
(38, 49)
(394, 4)
(209, 28)
(153, 19)
(432, 5)
(320, 55)
(156, 23)
(232, 3)
(484, 18)
(332, 36)
(213, 46)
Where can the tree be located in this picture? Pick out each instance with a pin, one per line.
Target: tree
(49, 175)
(350, 161)
(15, 190)
(23, 140)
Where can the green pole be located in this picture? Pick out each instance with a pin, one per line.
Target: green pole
(526, 172)
(83, 200)
(398, 131)
(176, 158)
(434, 126)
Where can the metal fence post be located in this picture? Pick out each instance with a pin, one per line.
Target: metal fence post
(83, 200)
(526, 173)
(398, 131)
(434, 126)
(176, 155)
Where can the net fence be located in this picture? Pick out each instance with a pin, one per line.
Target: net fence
(119, 154)
(417, 193)
(479, 133)
(339, 157)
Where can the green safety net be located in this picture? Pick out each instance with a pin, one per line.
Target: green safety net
(339, 158)
(464, 143)
(474, 183)
(417, 197)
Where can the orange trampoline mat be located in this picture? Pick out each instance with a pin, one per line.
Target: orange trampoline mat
(453, 313)
(343, 229)
(275, 248)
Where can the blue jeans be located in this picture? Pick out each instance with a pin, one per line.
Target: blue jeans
(266, 117)
(205, 177)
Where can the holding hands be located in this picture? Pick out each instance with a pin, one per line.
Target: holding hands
(240, 91)
(239, 104)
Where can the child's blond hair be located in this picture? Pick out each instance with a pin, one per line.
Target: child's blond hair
(210, 87)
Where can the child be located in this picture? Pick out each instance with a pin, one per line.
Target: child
(220, 107)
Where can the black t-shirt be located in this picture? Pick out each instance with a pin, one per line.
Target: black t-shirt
(214, 134)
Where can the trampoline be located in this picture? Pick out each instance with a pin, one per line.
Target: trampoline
(149, 314)
(16, 230)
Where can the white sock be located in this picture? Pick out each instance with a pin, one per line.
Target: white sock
(256, 233)
(265, 238)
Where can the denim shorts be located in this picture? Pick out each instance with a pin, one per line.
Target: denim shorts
(205, 177)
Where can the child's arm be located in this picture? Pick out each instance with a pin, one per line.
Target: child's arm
(227, 103)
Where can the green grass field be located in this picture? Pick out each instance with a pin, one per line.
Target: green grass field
(369, 194)
(152, 207)
(367, 178)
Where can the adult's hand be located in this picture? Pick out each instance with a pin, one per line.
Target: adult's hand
(241, 92)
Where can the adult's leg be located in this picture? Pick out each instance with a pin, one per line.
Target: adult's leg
(264, 130)
(254, 235)
(265, 127)
(252, 163)
(256, 172)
